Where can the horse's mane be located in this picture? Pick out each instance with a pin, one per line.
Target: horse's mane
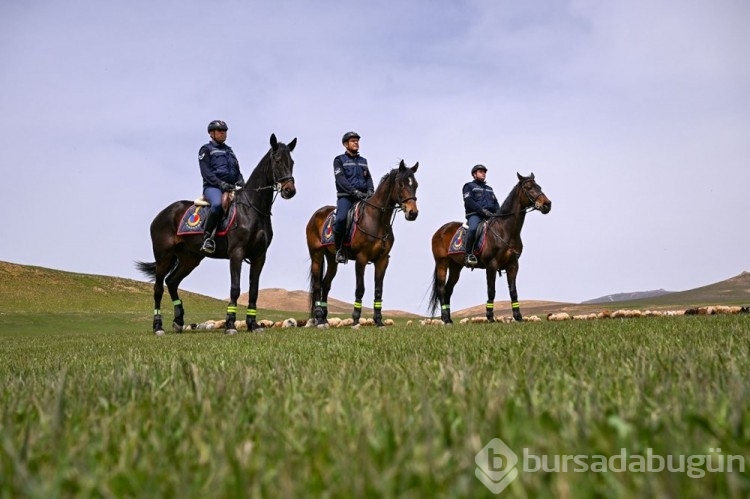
(391, 173)
(387, 175)
(507, 207)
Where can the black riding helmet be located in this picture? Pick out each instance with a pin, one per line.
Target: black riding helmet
(349, 135)
(217, 125)
(477, 168)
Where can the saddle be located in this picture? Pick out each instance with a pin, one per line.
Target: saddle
(194, 218)
(326, 237)
(227, 198)
(458, 241)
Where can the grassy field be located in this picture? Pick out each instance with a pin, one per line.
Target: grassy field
(114, 411)
(93, 405)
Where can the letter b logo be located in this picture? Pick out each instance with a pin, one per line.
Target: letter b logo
(496, 465)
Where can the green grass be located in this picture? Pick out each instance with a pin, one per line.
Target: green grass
(100, 411)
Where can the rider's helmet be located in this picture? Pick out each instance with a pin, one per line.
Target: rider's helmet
(477, 168)
(217, 125)
(349, 135)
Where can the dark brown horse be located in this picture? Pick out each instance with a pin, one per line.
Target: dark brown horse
(501, 249)
(247, 240)
(372, 242)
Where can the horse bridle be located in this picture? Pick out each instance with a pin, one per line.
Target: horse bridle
(398, 206)
(528, 195)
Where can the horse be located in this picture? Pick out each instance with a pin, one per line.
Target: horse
(501, 250)
(371, 241)
(247, 239)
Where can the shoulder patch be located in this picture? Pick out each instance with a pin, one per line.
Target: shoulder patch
(466, 195)
(201, 155)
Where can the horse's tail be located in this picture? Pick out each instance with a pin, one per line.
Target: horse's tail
(149, 268)
(311, 297)
(434, 300)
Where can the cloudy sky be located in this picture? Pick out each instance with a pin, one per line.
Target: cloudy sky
(634, 116)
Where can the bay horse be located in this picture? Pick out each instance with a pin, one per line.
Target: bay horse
(501, 250)
(372, 242)
(247, 239)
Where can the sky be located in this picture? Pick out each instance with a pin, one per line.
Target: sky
(634, 116)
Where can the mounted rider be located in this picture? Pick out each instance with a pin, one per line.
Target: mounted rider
(480, 204)
(353, 183)
(220, 170)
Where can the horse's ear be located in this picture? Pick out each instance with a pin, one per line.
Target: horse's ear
(414, 168)
(520, 177)
(292, 144)
(274, 142)
(531, 176)
(402, 166)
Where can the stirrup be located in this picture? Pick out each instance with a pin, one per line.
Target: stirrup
(340, 256)
(208, 246)
(470, 259)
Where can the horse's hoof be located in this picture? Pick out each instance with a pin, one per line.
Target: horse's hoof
(159, 332)
(176, 327)
(323, 326)
(230, 331)
(356, 326)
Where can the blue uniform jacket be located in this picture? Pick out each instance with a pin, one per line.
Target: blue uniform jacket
(352, 174)
(218, 164)
(478, 196)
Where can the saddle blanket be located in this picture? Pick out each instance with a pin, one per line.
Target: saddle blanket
(326, 237)
(458, 242)
(194, 219)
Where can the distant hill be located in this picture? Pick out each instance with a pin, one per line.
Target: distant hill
(732, 291)
(635, 295)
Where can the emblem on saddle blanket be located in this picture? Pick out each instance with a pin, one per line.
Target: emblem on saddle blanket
(326, 237)
(458, 241)
(194, 219)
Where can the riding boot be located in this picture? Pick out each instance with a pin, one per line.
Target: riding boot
(470, 258)
(338, 238)
(209, 246)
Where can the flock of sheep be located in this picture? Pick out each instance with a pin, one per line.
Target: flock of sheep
(560, 316)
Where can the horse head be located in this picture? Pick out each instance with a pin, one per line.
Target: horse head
(533, 195)
(282, 166)
(405, 190)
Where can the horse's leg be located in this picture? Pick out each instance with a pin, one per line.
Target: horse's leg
(381, 265)
(359, 291)
(163, 264)
(441, 274)
(490, 312)
(185, 265)
(235, 273)
(332, 268)
(256, 267)
(510, 273)
(317, 303)
(454, 272)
